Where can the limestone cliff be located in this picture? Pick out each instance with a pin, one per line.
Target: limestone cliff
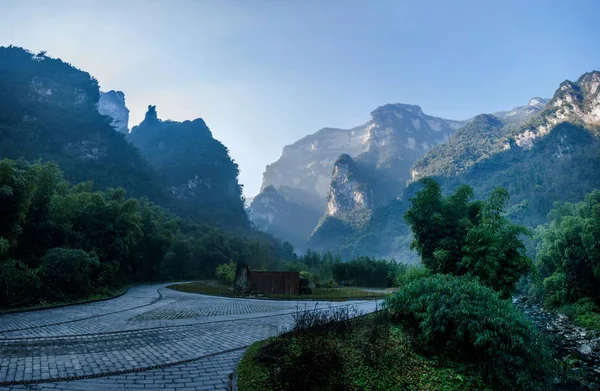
(112, 104)
(393, 138)
(385, 146)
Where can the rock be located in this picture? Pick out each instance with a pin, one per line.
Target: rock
(584, 349)
(112, 104)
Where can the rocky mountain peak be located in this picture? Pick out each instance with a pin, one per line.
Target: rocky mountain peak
(396, 135)
(151, 114)
(577, 102)
(390, 113)
(196, 168)
(112, 104)
(537, 102)
(350, 192)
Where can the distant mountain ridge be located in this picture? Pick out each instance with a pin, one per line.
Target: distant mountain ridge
(385, 146)
(545, 151)
(523, 113)
(392, 129)
(553, 156)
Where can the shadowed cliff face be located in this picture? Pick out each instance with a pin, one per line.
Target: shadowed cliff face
(197, 169)
(280, 213)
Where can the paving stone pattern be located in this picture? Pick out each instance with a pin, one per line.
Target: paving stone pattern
(152, 337)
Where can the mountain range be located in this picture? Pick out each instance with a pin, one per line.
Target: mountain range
(54, 111)
(542, 152)
(343, 190)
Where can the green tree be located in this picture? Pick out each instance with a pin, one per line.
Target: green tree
(67, 273)
(493, 249)
(457, 235)
(568, 254)
(226, 272)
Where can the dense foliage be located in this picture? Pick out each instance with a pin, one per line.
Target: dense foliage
(60, 242)
(365, 271)
(459, 318)
(568, 254)
(456, 235)
(225, 273)
(328, 270)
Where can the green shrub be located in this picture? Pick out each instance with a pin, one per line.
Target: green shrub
(370, 355)
(554, 290)
(330, 284)
(226, 272)
(412, 273)
(66, 273)
(585, 313)
(18, 284)
(459, 318)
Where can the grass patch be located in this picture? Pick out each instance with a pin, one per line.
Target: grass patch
(584, 313)
(330, 294)
(368, 353)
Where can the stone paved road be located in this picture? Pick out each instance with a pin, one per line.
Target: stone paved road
(152, 337)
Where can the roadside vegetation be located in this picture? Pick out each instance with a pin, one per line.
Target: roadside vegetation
(450, 325)
(340, 353)
(61, 243)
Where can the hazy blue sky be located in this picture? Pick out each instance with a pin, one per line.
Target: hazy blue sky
(264, 73)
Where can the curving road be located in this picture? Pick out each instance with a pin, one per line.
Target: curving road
(150, 338)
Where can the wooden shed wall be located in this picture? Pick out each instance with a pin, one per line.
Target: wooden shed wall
(275, 282)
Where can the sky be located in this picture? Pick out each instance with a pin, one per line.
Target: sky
(265, 73)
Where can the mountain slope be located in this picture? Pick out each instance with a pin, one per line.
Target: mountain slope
(382, 150)
(199, 174)
(395, 135)
(522, 113)
(554, 156)
(272, 211)
(48, 111)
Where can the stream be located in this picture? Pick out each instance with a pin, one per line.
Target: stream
(574, 345)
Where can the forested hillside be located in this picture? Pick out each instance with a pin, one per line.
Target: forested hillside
(197, 171)
(553, 156)
(48, 111)
(79, 204)
(60, 242)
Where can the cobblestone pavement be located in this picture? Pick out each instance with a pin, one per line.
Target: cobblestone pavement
(152, 337)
